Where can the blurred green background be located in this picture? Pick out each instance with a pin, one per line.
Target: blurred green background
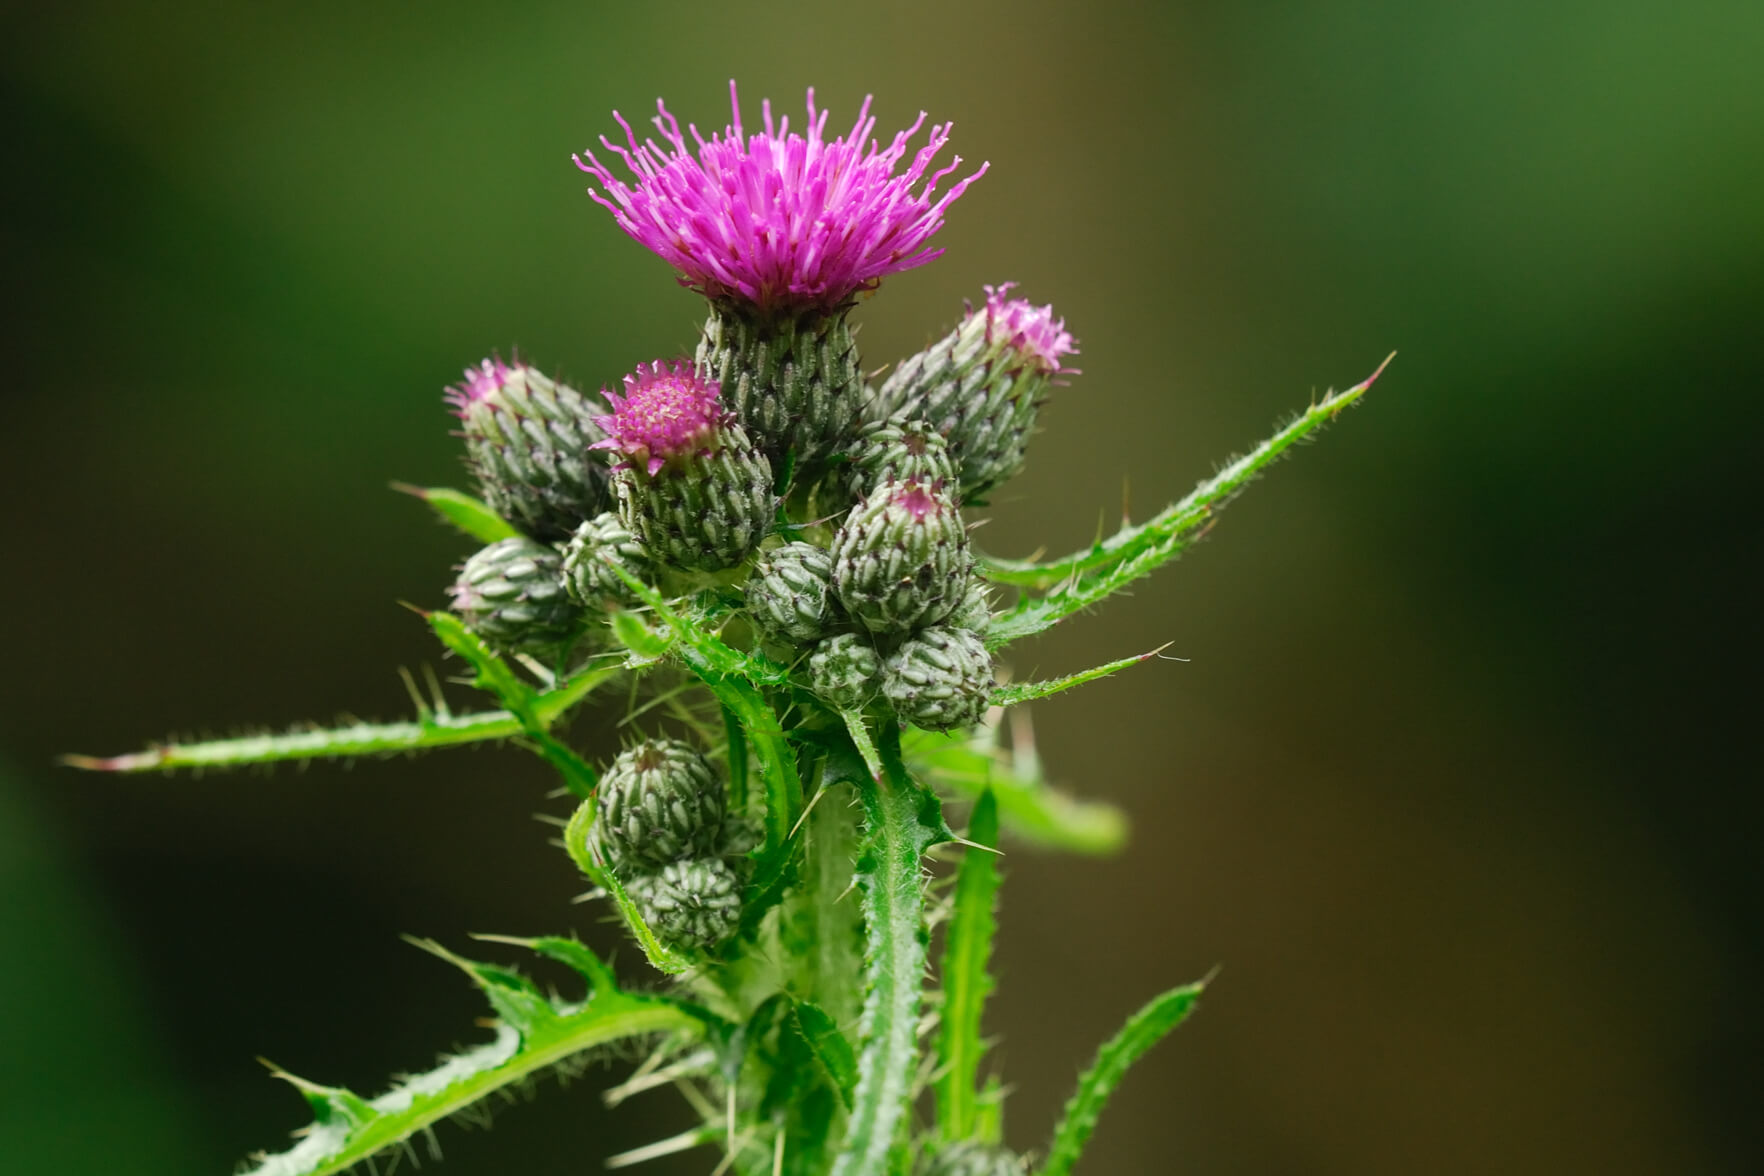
(1458, 784)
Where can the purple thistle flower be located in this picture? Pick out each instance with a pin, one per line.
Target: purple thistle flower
(776, 219)
(666, 412)
(480, 382)
(1031, 331)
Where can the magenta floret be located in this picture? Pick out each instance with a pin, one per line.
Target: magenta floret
(1031, 330)
(776, 219)
(480, 382)
(666, 412)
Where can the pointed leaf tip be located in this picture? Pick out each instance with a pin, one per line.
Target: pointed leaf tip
(570, 952)
(139, 761)
(329, 1103)
(469, 515)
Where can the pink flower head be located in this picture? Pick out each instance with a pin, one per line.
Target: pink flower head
(480, 383)
(917, 500)
(776, 219)
(666, 411)
(1031, 331)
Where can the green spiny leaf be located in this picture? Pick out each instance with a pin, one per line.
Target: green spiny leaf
(966, 984)
(518, 698)
(432, 728)
(1017, 692)
(1143, 1030)
(344, 742)
(463, 511)
(1088, 576)
(516, 999)
(1028, 806)
(576, 845)
(832, 1053)
(350, 1129)
(572, 953)
(860, 739)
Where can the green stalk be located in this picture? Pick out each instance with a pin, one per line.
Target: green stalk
(902, 821)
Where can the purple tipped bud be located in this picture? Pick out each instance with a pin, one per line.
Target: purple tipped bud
(980, 386)
(667, 413)
(692, 488)
(1031, 332)
(527, 440)
(901, 558)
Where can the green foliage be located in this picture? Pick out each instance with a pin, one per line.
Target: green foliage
(1143, 1030)
(966, 983)
(533, 1033)
(1092, 575)
(1028, 807)
(1017, 692)
(471, 516)
(800, 1048)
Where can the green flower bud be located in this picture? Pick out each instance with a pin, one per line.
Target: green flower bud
(693, 904)
(846, 670)
(980, 386)
(703, 511)
(900, 561)
(972, 1158)
(974, 613)
(789, 377)
(585, 563)
(787, 593)
(939, 679)
(897, 450)
(511, 594)
(659, 801)
(527, 440)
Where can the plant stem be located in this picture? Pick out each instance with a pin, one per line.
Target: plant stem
(899, 829)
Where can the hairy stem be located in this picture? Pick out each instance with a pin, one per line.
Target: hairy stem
(902, 821)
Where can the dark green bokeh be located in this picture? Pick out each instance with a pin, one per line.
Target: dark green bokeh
(1457, 783)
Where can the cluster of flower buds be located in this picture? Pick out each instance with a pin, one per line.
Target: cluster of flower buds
(662, 826)
(678, 478)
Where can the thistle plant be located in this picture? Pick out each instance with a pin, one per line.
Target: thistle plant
(770, 557)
